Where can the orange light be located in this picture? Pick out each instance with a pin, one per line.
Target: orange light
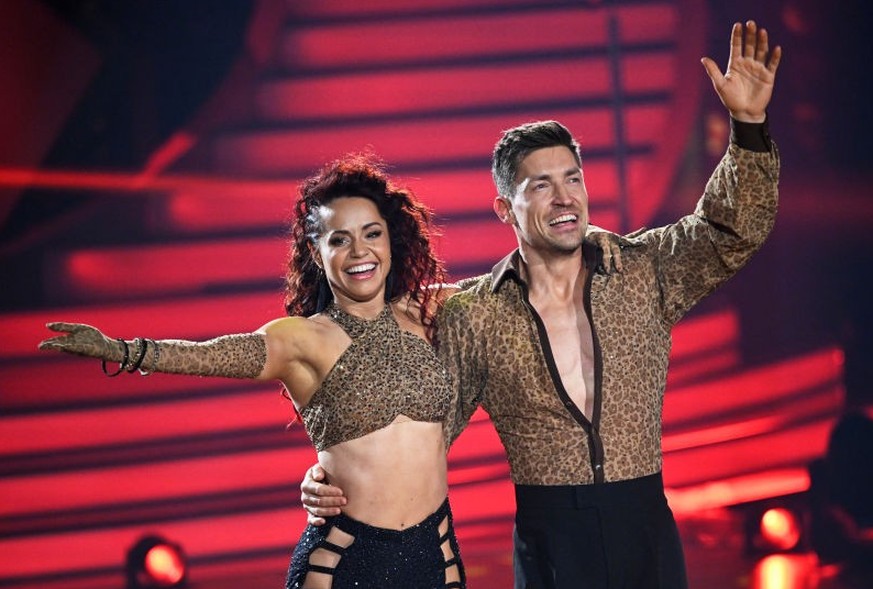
(780, 528)
(165, 565)
(155, 563)
(784, 571)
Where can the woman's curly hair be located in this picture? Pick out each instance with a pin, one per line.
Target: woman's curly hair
(415, 270)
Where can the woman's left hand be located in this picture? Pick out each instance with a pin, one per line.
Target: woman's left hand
(82, 340)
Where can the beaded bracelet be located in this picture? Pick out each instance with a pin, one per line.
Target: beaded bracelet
(123, 363)
(141, 348)
(155, 357)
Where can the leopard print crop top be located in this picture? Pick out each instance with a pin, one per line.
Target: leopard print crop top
(385, 372)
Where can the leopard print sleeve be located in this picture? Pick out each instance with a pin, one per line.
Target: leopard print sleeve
(733, 218)
(460, 353)
(233, 356)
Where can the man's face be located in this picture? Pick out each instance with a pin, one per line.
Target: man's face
(549, 209)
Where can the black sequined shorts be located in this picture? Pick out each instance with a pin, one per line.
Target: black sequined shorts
(346, 553)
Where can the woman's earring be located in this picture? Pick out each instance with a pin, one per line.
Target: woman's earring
(324, 296)
(389, 285)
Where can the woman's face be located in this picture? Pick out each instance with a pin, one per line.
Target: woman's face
(354, 249)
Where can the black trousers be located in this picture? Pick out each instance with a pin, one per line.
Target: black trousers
(619, 535)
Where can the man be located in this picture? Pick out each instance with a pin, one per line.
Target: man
(571, 363)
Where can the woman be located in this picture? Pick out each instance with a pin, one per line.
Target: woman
(355, 358)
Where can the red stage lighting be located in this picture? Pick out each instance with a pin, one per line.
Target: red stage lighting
(780, 528)
(155, 563)
(786, 571)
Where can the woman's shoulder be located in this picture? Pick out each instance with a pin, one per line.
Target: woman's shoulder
(301, 332)
(294, 324)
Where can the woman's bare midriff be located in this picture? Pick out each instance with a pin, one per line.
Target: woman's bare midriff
(392, 478)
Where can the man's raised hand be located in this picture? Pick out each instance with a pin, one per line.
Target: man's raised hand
(747, 86)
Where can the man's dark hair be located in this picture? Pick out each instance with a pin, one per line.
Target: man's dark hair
(517, 143)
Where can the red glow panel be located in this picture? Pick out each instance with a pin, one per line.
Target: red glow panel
(425, 38)
(203, 317)
(447, 193)
(485, 543)
(476, 243)
(387, 42)
(461, 191)
(173, 149)
(196, 212)
(120, 183)
(232, 534)
(47, 66)
(607, 219)
(754, 387)
(196, 267)
(356, 7)
(736, 490)
(479, 440)
(476, 475)
(139, 423)
(601, 181)
(762, 421)
(492, 499)
(786, 571)
(435, 141)
(168, 480)
(646, 124)
(104, 548)
(650, 22)
(703, 346)
(394, 93)
(702, 367)
(720, 329)
(168, 268)
(648, 72)
(794, 446)
(644, 176)
(466, 191)
(29, 388)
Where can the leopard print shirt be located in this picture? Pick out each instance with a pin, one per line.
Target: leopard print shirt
(385, 372)
(492, 339)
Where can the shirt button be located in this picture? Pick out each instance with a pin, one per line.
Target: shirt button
(598, 466)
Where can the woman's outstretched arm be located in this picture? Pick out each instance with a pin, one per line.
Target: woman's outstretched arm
(241, 355)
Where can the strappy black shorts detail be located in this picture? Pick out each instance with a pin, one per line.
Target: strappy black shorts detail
(349, 554)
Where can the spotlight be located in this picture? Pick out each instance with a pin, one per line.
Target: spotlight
(775, 527)
(155, 563)
(780, 528)
(785, 571)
